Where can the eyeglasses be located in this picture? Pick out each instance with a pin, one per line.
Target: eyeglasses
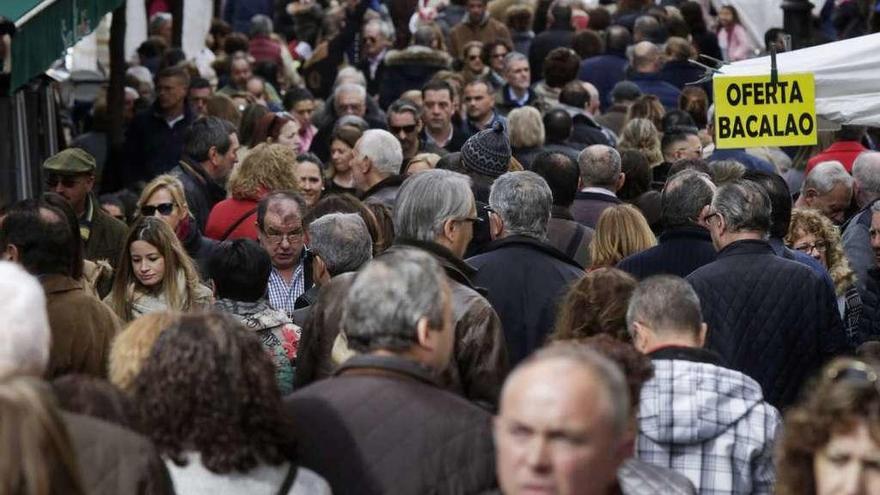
(279, 238)
(408, 129)
(370, 39)
(473, 57)
(819, 246)
(64, 180)
(499, 55)
(164, 209)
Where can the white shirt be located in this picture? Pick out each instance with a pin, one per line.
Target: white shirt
(599, 190)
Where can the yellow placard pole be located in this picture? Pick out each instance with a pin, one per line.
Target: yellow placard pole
(752, 111)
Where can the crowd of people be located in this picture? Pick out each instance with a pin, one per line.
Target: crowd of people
(483, 246)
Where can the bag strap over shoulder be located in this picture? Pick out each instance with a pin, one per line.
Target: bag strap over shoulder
(288, 480)
(236, 224)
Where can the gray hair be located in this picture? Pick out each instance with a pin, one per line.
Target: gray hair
(523, 201)
(206, 133)
(386, 29)
(349, 88)
(383, 150)
(350, 75)
(24, 324)
(744, 205)
(665, 303)
(826, 176)
(866, 172)
(606, 371)
(684, 196)
(427, 200)
(342, 241)
(724, 171)
(388, 298)
(514, 57)
(600, 165)
(261, 24)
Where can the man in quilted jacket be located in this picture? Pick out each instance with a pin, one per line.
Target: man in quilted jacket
(695, 413)
(769, 317)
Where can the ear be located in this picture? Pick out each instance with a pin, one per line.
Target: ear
(701, 337)
(810, 195)
(213, 155)
(449, 227)
(425, 335)
(704, 212)
(580, 183)
(639, 336)
(621, 179)
(90, 182)
(496, 226)
(319, 270)
(11, 253)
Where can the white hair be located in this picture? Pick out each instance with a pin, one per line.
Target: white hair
(350, 75)
(25, 335)
(383, 150)
(825, 176)
(386, 29)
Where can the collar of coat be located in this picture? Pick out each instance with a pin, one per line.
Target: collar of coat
(746, 246)
(418, 55)
(393, 180)
(693, 231)
(372, 364)
(54, 283)
(530, 243)
(681, 353)
(455, 268)
(197, 172)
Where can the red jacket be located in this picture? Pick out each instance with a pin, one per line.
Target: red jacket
(265, 49)
(844, 152)
(229, 211)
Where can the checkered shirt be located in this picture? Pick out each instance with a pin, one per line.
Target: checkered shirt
(710, 424)
(283, 296)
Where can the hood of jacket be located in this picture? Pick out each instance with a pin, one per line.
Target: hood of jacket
(418, 55)
(254, 315)
(689, 402)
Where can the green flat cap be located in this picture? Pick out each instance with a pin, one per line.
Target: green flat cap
(70, 161)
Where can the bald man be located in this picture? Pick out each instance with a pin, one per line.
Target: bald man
(646, 64)
(562, 424)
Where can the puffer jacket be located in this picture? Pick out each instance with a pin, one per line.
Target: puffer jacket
(771, 318)
(382, 425)
(479, 364)
(277, 332)
(410, 69)
(708, 423)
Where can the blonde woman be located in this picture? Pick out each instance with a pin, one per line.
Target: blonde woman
(526, 134)
(621, 231)
(133, 345)
(164, 198)
(154, 273)
(813, 234)
(641, 135)
(267, 168)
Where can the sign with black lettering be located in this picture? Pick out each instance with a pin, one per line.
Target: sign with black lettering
(752, 111)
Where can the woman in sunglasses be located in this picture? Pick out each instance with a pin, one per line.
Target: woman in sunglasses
(831, 440)
(472, 59)
(155, 274)
(164, 198)
(813, 234)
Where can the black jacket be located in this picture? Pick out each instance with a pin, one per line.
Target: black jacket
(554, 37)
(771, 318)
(526, 278)
(409, 69)
(383, 425)
(869, 324)
(680, 251)
(202, 193)
(152, 147)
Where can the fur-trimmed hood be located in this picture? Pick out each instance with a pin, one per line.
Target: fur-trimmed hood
(418, 55)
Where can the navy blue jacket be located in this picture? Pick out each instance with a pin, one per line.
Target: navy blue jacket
(526, 279)
(239, 12)
(152, 147)
(588, 206)
(651, 84)
(604, 71)
(680, 251)
(769, 317)
(740, 155)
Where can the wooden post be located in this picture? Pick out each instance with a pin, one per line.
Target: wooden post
(111, 180)
(177, 16)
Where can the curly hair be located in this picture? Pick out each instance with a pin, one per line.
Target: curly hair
(596, 304)
(834, 405)
(133, 345)
(811, 222)
(622, 230)
(637, 367)
(647, 107)
(209, 386)
(267, 168)
(641, 135)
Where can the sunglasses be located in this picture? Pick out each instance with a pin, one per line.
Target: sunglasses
(473, 57)
(64, 180)
(405, 128)
(164, 209)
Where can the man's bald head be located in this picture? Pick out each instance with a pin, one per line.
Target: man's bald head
(646, 57)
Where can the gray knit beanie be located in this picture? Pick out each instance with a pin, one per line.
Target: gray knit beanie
(487, 152)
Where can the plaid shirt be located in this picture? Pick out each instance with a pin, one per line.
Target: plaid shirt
(710, 424)
(283, 296)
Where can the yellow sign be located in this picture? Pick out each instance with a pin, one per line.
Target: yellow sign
(751, 111)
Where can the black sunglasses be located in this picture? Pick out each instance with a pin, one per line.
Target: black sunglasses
(405, 128)
(164, 209)
(64, 180)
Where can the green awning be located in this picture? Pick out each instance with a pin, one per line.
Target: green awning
(46, 28)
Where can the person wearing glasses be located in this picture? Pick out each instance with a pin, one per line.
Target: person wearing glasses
(378, 36)
(280, 227)
(155, 274)
(473, 67)
(404, 121)
(813, 234)
(477, 25)
(831, 440)
(493, 56)
(164, 198)
(71, 174)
